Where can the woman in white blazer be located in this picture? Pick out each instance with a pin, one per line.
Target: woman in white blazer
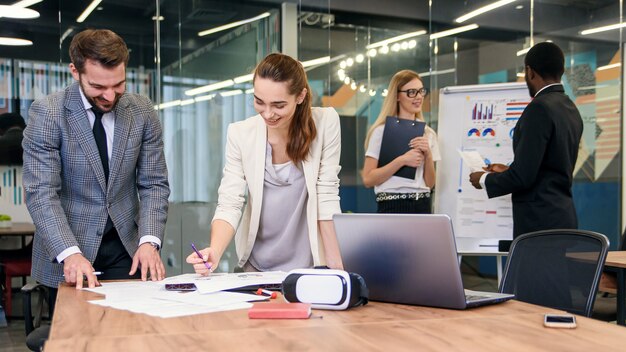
(287, 159)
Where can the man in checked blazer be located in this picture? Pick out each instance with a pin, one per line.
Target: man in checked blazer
(545, 143)
(95, 174)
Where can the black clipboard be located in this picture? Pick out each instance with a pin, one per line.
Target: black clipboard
(396, 137)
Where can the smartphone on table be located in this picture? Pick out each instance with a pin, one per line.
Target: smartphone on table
(566, 321)
(181, 287)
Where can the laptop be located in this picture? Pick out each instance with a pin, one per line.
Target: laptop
(407, 259)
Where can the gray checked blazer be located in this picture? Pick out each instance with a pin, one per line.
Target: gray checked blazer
(66, 192)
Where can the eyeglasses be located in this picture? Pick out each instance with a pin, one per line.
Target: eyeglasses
(412, 93)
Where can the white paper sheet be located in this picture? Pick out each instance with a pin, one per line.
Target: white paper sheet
(150, 297)
(474, 161)
(226, 281)
(167, 309)
(128, 290)
(208, 300)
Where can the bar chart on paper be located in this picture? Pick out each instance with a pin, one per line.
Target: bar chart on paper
(482, 119)
(482, 112)
(12, 197)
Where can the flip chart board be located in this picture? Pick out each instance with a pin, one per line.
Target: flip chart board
(479, 118)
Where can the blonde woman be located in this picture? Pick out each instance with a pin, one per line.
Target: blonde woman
(394, 194)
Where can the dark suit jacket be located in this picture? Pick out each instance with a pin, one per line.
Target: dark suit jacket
(11, 147)
(66, 192)
(545, 143)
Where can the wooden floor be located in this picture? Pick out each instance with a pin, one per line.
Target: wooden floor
(12, 337)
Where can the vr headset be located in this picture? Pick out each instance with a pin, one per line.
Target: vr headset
(325, 288)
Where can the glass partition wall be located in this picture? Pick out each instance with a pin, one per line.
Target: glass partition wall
(198, 78)
(489, 48)
(203, 91)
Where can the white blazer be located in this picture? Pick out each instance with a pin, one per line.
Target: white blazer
(244, 169)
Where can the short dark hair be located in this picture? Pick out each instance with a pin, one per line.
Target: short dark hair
(11, 119)
(101, 45)
(547, 60)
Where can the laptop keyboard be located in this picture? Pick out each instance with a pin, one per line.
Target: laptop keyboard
(469, 298)
(478, 298)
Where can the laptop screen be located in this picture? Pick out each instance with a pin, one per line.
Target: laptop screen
(404, 258)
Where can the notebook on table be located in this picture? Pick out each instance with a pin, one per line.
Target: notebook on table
(407, 259)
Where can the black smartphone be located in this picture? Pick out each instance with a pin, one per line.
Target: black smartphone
(181, 287)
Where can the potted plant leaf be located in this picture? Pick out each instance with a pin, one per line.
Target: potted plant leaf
(5, 221)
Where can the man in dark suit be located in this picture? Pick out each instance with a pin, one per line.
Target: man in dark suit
(94, 173)
(11, 129)
(545, 144)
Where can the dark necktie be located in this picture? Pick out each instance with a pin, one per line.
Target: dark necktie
(101, 141)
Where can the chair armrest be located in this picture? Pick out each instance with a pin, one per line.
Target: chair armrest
(29, 320)
(28, 288)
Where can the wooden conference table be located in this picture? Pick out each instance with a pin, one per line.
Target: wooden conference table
(510, 326)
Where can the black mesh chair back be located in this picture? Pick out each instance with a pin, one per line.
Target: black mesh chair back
(556, 268)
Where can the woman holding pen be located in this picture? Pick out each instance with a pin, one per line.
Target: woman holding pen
(287, 160)
(396, 194)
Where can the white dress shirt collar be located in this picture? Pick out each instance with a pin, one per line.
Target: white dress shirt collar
(549, 85)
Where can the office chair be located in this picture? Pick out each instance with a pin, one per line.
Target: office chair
(13, 263)
(556, 268)
(36, 331)
(605, 307)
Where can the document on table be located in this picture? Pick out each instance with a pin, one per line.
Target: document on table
(151, 298)
(168, 309)
(228, 281)
(123, 291)
(474, 161)
(210, 300)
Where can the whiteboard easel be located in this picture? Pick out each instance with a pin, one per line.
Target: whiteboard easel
(476, 117)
